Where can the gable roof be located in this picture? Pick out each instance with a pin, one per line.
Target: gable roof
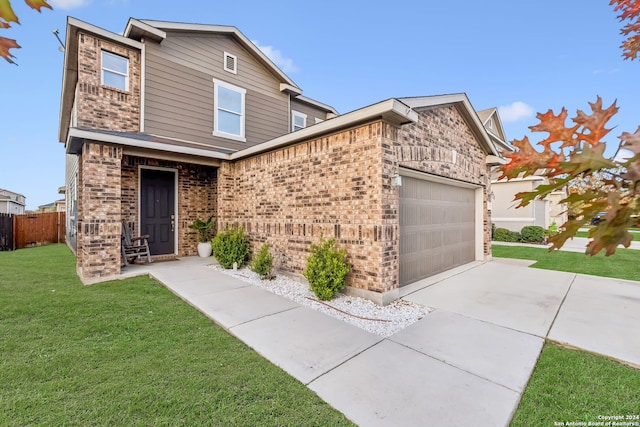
(461, 102)
(156, 30)
(493, 125)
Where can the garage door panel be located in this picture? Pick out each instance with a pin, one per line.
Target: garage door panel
(437, 228)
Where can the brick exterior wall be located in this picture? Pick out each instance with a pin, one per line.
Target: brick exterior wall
(103, 107)
(109, 181)
(428, 146)
(339, 186)
(197, 195)
(99, 227)
(330, 187)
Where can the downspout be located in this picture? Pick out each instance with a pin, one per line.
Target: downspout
(143, 73)
(289, 127)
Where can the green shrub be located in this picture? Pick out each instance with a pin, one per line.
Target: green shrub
(505, 235)
(532, 234)
(262, 262)
(326, 269)
(230, 246)
(493, 230)
(553, 230)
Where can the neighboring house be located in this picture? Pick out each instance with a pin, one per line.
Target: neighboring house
(170, 122)
(539, 212)
(12, 203)
(504, 213)
(57, 206)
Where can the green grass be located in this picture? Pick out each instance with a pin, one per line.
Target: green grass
(636, 235)
(570, 386)
(129, 353)
(621, 265)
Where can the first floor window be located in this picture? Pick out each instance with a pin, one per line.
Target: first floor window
(229, 110)
(115, 71)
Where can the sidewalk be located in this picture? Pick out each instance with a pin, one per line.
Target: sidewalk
(576, 244)
(466, 363)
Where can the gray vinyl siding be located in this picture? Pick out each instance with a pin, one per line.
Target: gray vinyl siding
(311, 111)
(179, 91)
(71, 199)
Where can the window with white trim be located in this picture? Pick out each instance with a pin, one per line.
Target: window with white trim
(228, 110)
(115, 71)
(298, 120)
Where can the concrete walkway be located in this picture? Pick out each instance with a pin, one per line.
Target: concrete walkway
(466, 363)
(577, 244)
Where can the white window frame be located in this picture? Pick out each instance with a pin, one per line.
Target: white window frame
(216, 131)
(295, 114)
(103, 69)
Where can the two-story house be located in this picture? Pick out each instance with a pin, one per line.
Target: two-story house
(170, 122)
(11, 203)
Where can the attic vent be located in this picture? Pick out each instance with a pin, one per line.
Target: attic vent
(230, 63)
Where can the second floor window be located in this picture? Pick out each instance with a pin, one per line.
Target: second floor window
(298, 121)
(228, 121)
(115, 71)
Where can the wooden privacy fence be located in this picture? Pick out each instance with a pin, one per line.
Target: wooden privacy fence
(32, 230)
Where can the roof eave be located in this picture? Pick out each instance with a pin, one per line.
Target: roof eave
(78, 136)
(392, 111)
(138, 30)
(318, 104)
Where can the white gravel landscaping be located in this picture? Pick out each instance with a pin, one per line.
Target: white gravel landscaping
(384, 321)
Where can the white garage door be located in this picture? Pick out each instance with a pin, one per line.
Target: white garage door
(437, 228)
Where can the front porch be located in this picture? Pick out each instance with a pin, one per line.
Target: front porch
(156, 196)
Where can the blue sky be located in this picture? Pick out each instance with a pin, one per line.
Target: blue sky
(523, 57)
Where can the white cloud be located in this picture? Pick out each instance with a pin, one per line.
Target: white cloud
(69, 4)
(515, 111)
(285, 64)
(623, 155)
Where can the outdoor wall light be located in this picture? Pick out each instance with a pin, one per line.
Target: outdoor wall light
(396, 181)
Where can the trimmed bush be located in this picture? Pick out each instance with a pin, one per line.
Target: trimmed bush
(327, 268)
(532, 234)
(505, 235)
(262, 262)
(230, 246)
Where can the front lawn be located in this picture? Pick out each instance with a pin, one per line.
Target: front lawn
(129, 353)
(621, 265)
(569, 386)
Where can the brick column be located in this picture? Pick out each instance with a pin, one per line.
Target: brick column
(99, 211)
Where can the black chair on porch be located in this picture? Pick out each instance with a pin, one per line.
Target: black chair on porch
(133, 247)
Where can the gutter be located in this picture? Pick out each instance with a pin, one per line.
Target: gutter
(391, 110)
(78, 136)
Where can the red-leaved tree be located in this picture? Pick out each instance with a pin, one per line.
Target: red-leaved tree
(7, 16)
(573, 151)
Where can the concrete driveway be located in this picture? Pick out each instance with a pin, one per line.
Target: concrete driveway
(466, 363)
